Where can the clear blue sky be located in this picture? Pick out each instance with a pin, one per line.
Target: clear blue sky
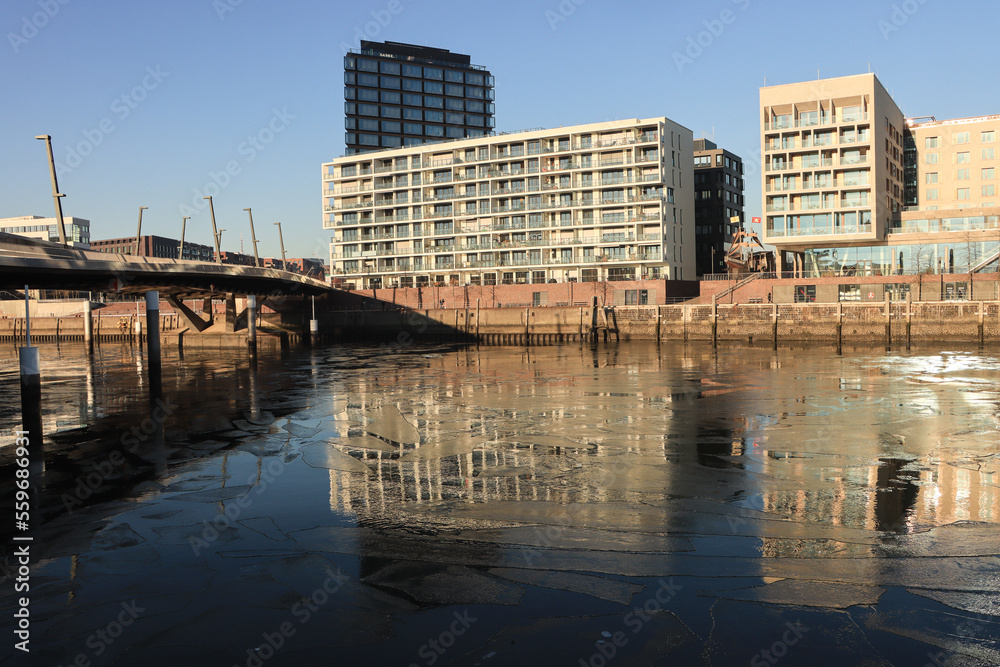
(162, 95)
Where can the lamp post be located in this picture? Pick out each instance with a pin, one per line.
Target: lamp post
(281, 240)
(253, 238)
(138, 231)
(55, 188)
(180, 253)
(215, 233)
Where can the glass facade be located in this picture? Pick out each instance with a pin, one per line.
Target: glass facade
(889, 260)
(453, 98)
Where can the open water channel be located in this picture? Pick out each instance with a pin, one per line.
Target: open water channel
(627, 504)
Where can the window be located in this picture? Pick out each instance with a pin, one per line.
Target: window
(391, 126)
(412, 100)
(989, 136)
(433, 73)
(453, 76)
(474, 92)
(849, 292)
(368, 139)
(367, 94)
(805, 293)
(388, 68)
(962, 174)
(412, 70)
(931, 177)
(989, 153)
(962, 193)
(413, 114)
(413, 128)
(636, 297)
(932, 158)
(989, 190)
(368, 109)
(454, 118)
(433, 87)
(931, 142)
(390, 97)
(454, 105)
(412, 85)
(392, 142)
(366, 65)
(434, 116)
(474, 105)
(390, 112)
(474, 78)
(368, 124)
(955, 291)
(434, 131)
(433, 102)
(989, 174)
(455, 132)
(453, 90)
(368, 80)
(962, 158)
(960, 138)
(932, 194)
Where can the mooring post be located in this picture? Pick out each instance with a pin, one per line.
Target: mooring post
(840, 324)
(152, 331)
(314, 323)
(909, 301)
(31, 382)
(887, 317)
(252, 324)
(88, 326)
(715, 320)
(982, 316)
(774, 324)
(593, 321)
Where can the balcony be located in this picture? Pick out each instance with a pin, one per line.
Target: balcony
(823, 119)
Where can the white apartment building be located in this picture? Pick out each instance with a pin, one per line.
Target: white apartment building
(603, 201)
(47, 229)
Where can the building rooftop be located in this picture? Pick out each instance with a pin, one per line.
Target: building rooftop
(920, 121)
(415, 53)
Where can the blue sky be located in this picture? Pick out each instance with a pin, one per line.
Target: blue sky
(150, 103)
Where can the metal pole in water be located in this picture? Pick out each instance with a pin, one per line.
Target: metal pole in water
(314, 323)
(252, 324)
(153, 330)
(88, 326)
(31, 382)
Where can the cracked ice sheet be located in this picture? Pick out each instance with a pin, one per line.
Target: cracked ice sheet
(975, 638)
(390, 424)
(977, 603)
(598, 587)
(432, 583)
(741, 628)
(322, 455)
(658, 638)
(448, 445)
(804, 593)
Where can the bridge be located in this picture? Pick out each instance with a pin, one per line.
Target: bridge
(47, 265)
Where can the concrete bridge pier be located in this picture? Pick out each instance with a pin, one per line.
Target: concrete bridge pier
(88, 326)
(153, 335)
(189, 316)
(251, 312)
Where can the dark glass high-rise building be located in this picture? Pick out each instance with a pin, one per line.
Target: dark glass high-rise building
(718, 199)
(403, 95)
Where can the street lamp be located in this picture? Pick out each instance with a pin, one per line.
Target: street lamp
(138, 231)
(253, 237)
(55, 188)
(180, 253)
(215, 233)
(281, 240)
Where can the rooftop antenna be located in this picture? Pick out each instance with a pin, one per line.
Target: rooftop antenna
(869, 67)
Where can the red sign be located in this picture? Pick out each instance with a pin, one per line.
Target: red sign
(755, 221)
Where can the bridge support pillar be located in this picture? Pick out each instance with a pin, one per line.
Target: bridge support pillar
(153, 333)
(189, 315)
(252, 324)
(231, 314)
(88, 326)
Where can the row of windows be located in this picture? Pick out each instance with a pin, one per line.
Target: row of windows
(720, 159)
(396, 127)
(431, 131)
(963, 193)
(393, 97)
(963, 157)
(986, 137)
(987, 174)
(417, 72)
(361, 109)
(414, 86)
